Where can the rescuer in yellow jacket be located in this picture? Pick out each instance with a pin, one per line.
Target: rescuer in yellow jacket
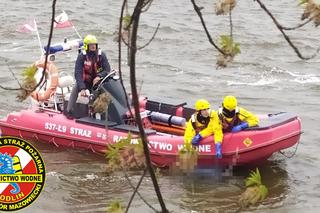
(204, 122)
(234, 118)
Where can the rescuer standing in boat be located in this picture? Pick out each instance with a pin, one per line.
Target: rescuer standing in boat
(204, 122)
(91, 66)
(234, 118)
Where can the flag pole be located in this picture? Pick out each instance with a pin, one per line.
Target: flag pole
(74, 28)
(38, 36)
(76, 31)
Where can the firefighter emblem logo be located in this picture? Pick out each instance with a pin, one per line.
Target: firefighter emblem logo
(22, 174)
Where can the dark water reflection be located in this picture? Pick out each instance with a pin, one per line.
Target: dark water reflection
(78, 181)
(219, 189)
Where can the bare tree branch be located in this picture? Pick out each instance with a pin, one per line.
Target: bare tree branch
(153, 36)
(14, 76)
(136, 188)
(197, 9)
(134, 14)
(48, 44)
(9, 88)
(119, 55)
(136, 191)
(146, 5)
(119, 38)
(298, 26)
(230, 20)
(139, 48)
(296, 50)
(135, 24)
(124, 41)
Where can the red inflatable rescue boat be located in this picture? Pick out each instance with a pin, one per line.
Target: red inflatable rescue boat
(164, 124)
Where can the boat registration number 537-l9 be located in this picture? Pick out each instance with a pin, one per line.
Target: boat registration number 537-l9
(55, 127)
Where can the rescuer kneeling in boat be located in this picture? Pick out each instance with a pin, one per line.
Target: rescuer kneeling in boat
(203, 123)
(234, 118)
(91, 66)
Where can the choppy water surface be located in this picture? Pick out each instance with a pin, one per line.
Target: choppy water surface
(178, 66)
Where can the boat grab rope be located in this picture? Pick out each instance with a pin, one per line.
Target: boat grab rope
(294, 152)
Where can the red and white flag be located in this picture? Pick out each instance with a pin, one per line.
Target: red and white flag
(62, 21)
(29, 27)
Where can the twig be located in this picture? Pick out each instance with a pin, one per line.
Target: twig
(141, 84)
(129, 35)
(146, 5)
(153, 36)
(150, 40)
(124, 41)
(139, 10)
(141, 197)
(48, 45)
(9, 88)
(230, 20)
(197, 9)
(133, 15)
(14, 76)
(136, 191)
(146, 2)
(298, 26)
(120, 36)
(296, 50)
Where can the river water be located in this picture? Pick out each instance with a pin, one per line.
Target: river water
(179, 65)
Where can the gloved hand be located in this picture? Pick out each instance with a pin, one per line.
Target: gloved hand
(218, 150)
(240, 127)
(196, 140)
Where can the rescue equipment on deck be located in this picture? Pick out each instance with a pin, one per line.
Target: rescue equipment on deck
(65, 46)
(52, 72)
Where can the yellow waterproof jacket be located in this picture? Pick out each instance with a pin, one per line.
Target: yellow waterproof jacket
(214, 128)
(246, 116)
(242, 116)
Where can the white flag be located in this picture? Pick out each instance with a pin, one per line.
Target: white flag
(29, 27)
(62, 21)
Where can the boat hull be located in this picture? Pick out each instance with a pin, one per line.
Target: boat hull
(246, 147)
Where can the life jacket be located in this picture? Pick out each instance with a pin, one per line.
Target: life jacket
(91, 67)
(204, 122)
(228, 125)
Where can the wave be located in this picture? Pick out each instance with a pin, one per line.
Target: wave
(261, 82)
(273, 76)
(54, 174)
